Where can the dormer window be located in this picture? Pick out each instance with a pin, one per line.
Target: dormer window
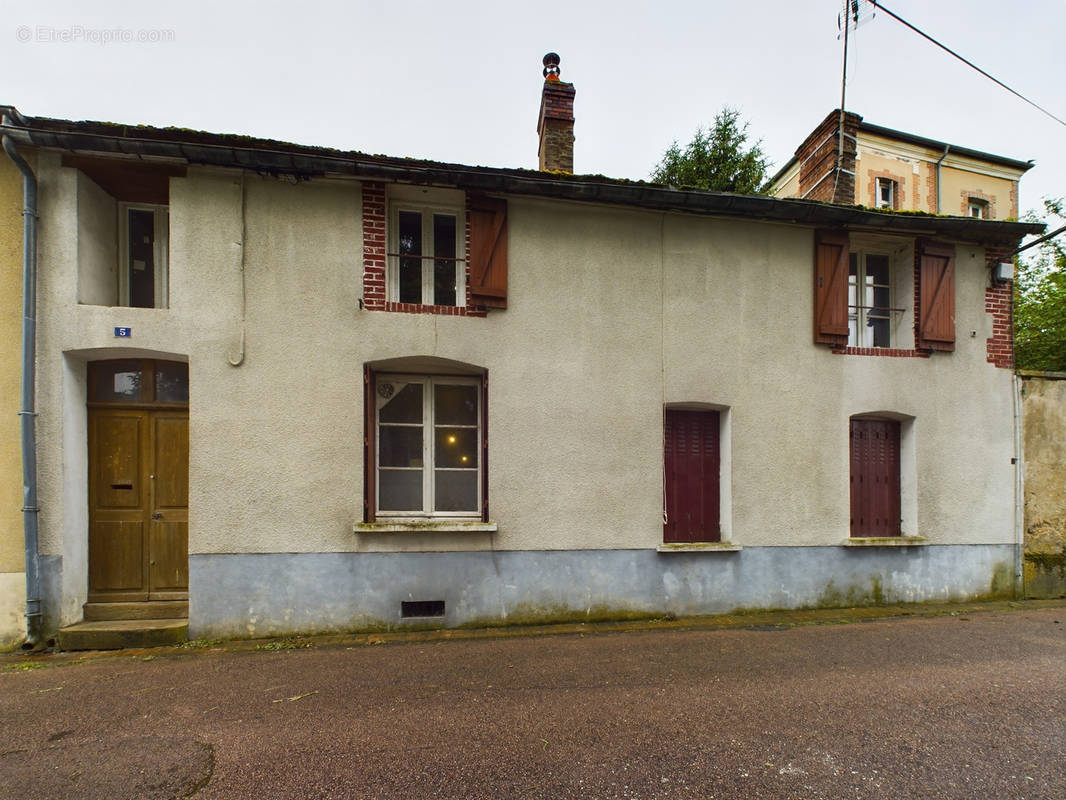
(886, 191)
(977, 208)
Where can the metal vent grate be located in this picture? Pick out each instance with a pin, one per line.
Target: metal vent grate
(421, 608)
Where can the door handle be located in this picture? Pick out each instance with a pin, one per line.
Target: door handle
(157, 515)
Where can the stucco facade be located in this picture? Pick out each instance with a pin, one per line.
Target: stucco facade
(614, 313)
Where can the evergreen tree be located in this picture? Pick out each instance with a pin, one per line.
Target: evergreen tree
(718, 159)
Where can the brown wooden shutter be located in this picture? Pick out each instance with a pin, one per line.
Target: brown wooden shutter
(488, 251)
(875, 482)
(370, 466)
(831, 251)
(485, 447)
(936, 296)
(691, 460)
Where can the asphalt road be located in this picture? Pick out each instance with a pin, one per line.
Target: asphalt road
(966, 706)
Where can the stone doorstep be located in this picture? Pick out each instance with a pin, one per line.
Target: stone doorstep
(122, 634)
(151, 609)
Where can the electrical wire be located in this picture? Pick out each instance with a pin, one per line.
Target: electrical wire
(879, 5)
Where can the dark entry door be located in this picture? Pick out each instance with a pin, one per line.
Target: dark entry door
(875, 480)
(138, 489)
(691, 486)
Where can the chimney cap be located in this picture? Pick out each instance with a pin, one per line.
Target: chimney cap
(551, 67)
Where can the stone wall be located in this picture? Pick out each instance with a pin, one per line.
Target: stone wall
(1044, 420)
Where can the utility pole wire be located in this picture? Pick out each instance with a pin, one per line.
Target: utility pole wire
(968, 63)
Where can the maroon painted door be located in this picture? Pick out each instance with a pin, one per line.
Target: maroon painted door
(691, 462)
(875, 507)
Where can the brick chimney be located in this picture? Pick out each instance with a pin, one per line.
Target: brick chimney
(556, 121)
(818, 160)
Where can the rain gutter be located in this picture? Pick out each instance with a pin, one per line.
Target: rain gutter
(27, 412)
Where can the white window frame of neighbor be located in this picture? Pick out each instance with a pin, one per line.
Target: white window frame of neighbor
(160, 252)
(879, 200)
(429, 426)
(861, 334)
(976, 204)
(427, 211)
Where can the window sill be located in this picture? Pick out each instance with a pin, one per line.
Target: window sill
(883, 352)
(699, 547)
(885, 541)
(425, 526)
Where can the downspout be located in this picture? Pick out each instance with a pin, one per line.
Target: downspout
(27, 414)
(1019, 488)
(938, 163)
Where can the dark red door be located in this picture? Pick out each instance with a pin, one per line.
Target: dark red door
(691, 461)
(875, 477)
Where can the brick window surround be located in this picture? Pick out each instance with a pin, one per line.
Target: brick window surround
(375, 211)
(966, 195)
(898, 194)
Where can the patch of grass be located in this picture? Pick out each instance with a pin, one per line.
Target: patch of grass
(199, 644)
(24, 666)
(294, 643)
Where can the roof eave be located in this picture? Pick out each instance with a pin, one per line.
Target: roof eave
(218, 150)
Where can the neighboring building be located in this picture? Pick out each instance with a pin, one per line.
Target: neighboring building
(312, 390)
(884, 168)
(12, 552)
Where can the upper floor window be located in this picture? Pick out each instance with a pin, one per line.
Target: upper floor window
(123, 231)
(885, 193)
(428, 249)
(863, 286)
(426, 259)
(143, 234)
(870, 300)
(977, 208)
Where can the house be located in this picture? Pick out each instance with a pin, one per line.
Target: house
(304, 389)
(878, 167)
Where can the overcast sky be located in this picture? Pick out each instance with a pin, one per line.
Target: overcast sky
(460, 81)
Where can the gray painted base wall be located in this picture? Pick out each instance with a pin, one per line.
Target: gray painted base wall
(282, 593)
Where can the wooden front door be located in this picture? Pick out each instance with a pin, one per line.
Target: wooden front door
(138, 496)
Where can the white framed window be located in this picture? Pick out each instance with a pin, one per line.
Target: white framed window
(426, 262)
(143, 249)
(428, 456)
(977, 208)
(870, 300)
(885, 193)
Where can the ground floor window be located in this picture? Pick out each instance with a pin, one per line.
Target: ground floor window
(875, 477)
(691, 481)
(428, 442)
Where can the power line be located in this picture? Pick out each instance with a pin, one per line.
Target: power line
(968, 63)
